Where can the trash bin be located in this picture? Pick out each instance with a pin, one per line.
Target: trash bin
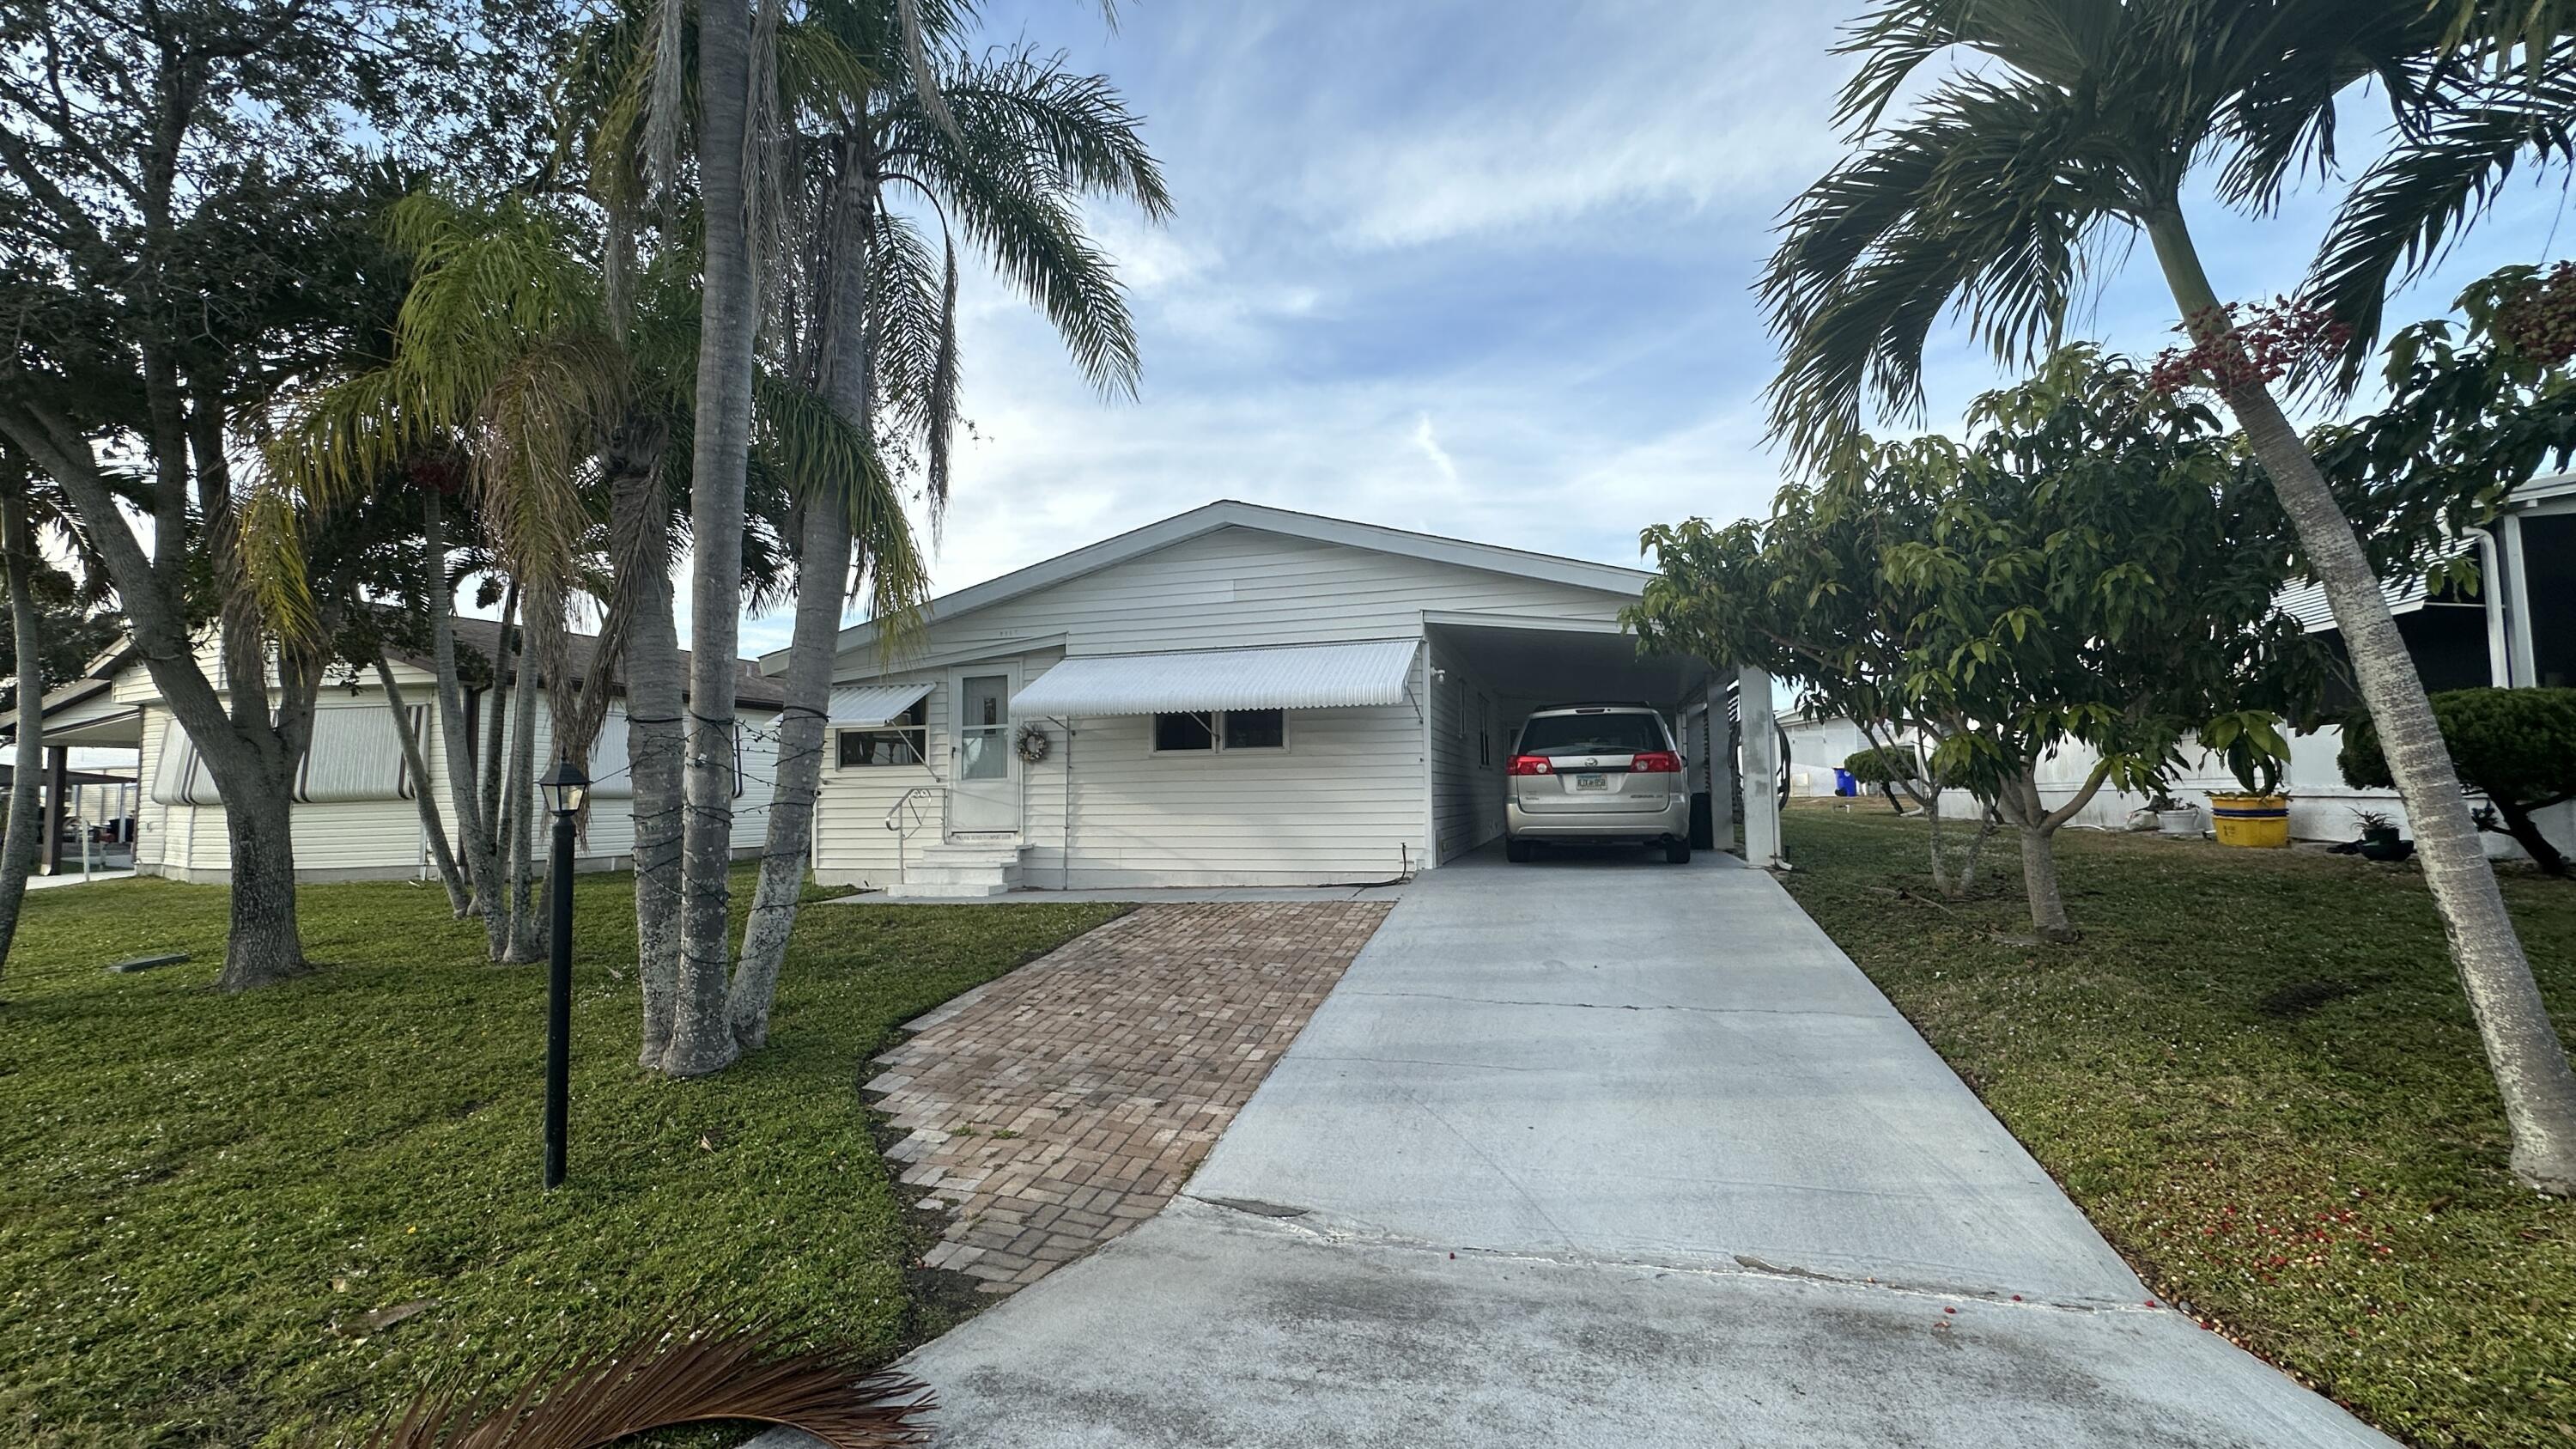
(1844, 784)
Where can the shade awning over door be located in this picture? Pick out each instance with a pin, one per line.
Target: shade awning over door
(1305, 676)
(866, 706)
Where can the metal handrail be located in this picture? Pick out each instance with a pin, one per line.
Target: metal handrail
(908, 805)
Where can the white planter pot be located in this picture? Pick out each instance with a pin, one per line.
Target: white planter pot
(2185, 821)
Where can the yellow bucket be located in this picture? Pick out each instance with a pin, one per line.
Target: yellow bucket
(2261, 821)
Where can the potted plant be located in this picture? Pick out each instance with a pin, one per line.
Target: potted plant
(2249, 819)
(2173, 817)
(2379, 837)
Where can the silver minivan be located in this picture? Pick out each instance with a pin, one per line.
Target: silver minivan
(1596, 774)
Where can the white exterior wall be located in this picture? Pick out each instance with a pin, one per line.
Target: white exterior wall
(2321, 804)
(852, 845)
(383, 839)
(1817, 747)
(1359, 795)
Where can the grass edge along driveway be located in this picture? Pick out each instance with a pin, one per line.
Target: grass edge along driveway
(208, 1202)
(2257, 1075)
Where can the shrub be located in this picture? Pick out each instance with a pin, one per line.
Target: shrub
(2517, 747)
(1882, 766)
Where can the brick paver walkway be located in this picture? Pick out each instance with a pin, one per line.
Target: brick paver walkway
(1057, 1107)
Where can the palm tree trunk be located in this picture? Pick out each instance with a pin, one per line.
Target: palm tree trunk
(822, 576)
(495, 729)
(18, 850)
(423, 794)
(508, 665)
(2523, 1050)
(456, 733)
(655, 743)
(521, 940)
(702, 1037)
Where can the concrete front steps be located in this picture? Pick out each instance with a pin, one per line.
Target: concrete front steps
(956, 870)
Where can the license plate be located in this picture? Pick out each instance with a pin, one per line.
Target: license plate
(1591, 782)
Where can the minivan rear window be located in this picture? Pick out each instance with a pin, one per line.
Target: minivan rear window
(1591, 734)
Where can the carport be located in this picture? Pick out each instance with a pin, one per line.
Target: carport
(1488, 673)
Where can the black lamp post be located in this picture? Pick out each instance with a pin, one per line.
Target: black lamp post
(564, 787)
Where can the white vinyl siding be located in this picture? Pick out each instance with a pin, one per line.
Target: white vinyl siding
(380, 836)
(851, 843)
(1241, 587)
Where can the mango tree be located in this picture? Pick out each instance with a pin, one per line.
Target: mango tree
(2097, 570)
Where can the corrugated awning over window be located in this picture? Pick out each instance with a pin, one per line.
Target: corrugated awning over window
(866, 706)
(1305, 676)
(2306, 602)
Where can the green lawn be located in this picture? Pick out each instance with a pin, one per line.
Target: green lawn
(202, 1196)
(2257, 1075)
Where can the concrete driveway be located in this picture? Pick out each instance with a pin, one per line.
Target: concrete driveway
(1606, 1152)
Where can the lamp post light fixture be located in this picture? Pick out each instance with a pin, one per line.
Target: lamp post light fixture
(564, 787)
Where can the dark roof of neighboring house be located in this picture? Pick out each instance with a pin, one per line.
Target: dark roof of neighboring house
(484, 637)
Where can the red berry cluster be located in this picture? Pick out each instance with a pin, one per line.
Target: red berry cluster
(2238, 345)
(2539, 321)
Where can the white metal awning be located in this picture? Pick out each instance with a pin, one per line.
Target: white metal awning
(866, 706)
(2306, 602)
(1306, 676)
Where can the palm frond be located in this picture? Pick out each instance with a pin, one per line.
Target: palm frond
(540, 425)
(2414, 202)
(1078, 126)
(829, 462)
(1987, 200)
(666, 1379)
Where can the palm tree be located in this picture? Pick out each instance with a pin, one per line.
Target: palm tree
(1000, 151)
(2004, 182)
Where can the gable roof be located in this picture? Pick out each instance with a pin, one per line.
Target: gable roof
(1233, 513)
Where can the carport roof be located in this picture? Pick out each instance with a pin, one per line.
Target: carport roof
(1304, 676)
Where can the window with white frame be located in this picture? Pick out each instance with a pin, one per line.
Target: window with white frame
(1227, 731)
(1484, 731)
(903, 740)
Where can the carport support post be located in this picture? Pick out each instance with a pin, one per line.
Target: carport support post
(1761, 769)
(1721, 769)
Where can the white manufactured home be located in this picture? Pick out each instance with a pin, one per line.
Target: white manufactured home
(1235, 696)
(356, 814)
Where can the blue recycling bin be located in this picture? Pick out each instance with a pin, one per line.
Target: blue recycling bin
(1844, 784)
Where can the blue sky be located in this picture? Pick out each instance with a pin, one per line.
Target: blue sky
(1478, 269)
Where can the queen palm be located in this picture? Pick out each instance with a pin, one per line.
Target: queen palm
(2004, 181)
(1000, 151)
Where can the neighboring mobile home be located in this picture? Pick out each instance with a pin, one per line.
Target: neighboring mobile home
(356, 812)
(1235, 696)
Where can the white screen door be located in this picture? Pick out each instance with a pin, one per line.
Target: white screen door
(984, 789)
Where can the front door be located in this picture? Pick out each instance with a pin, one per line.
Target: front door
(984, 786)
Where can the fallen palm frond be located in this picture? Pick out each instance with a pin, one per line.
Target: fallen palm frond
(669, 1378)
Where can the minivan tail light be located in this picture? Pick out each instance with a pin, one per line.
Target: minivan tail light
(1532, 765)
(1655, 762)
